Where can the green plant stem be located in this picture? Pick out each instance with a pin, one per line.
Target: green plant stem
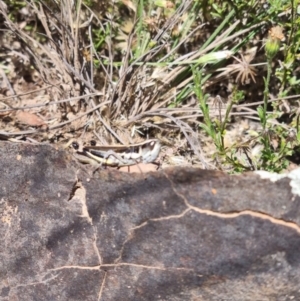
(226, 118)
(266, 92)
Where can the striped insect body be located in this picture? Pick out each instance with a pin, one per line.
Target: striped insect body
(119, 155)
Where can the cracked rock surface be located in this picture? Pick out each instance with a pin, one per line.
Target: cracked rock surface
(176, 234)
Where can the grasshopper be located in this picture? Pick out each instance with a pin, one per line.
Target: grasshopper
(121, 155)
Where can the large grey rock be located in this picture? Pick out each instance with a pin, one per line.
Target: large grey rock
(176, 234)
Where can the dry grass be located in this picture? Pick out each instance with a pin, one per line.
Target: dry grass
(119, 72)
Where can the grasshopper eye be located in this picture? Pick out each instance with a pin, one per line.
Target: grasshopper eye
(93, 143)
(75, 145)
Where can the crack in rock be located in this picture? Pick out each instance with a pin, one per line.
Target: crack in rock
(260, 215)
